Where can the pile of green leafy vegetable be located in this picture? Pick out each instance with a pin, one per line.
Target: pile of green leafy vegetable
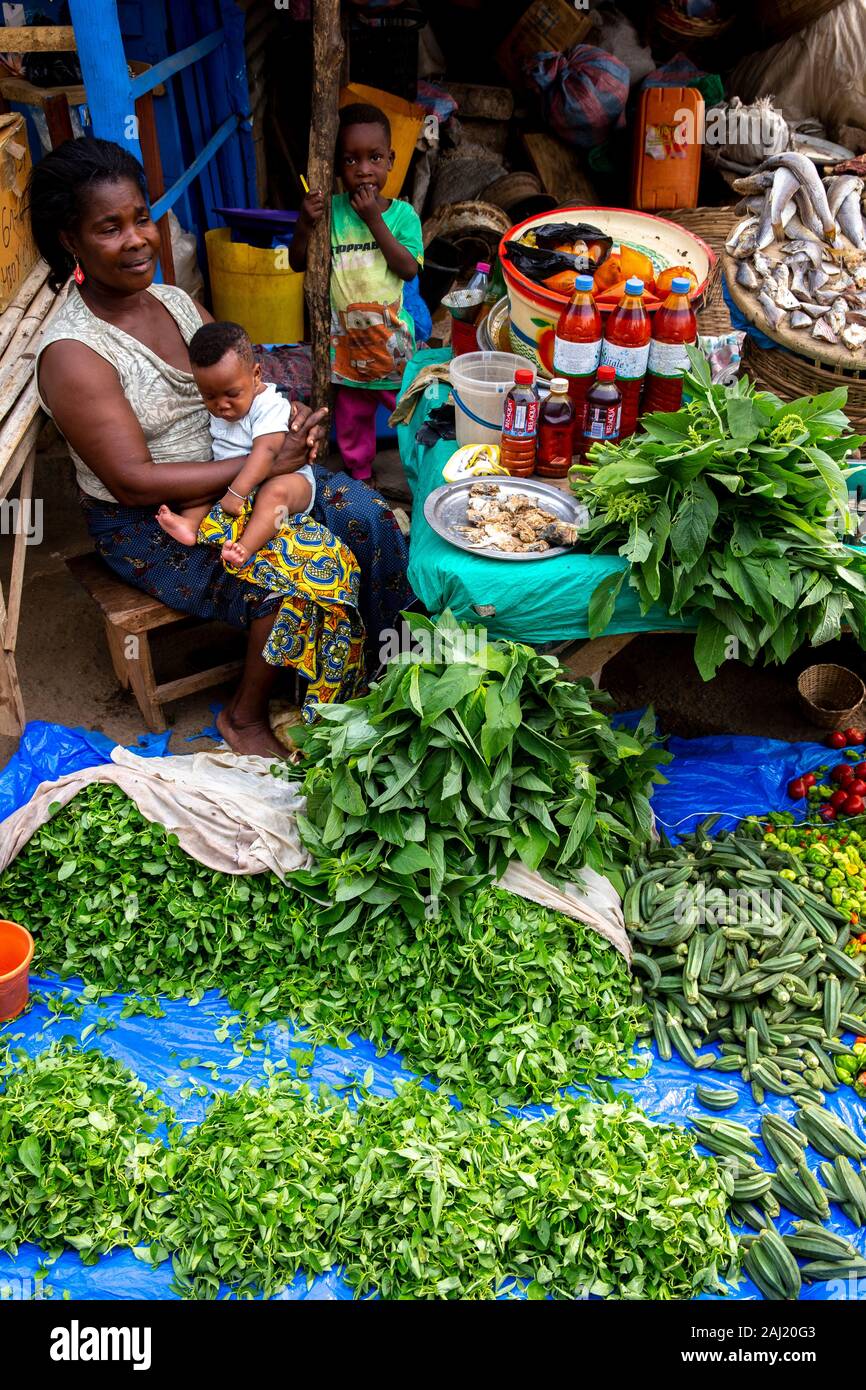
(731, 511)
(411, 1196)
(416, 1199)
(461, 759)
(79, 1163)
(504, 998)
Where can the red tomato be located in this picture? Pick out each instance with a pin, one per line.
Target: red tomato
(836, 740)
(853, 806)
(854, 736)
(827, 813)
(860, 770)
(842, 773)
(809, 779)
(796, 789)
(856, 788)
(839, 798)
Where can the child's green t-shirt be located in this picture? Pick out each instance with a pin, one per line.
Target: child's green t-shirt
(372, 336)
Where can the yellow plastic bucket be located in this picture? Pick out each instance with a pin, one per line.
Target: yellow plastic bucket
(256, 288)
(406, 122)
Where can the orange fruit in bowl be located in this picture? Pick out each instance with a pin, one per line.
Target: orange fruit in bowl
(665, 278)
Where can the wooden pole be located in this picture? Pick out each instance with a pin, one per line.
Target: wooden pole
(324, 115)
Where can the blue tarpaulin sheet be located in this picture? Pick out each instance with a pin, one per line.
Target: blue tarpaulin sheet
(738, 775)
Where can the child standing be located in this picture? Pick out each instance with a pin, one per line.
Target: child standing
(376, 245)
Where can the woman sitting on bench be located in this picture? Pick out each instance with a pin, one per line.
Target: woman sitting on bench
(114, 373)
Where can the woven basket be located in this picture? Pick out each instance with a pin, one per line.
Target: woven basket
(830, 695)
(685, 31)
(713, 225)
(778, 19)
(791, 376)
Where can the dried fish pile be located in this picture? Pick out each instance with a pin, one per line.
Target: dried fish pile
(801, 249)
(512, 522)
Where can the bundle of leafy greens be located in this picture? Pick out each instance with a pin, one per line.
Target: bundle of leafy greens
(461, 759)
(506, 1001)
(731, 511)
(80, 1164)
(416, 1199)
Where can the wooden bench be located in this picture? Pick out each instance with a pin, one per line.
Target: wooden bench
(129, 616)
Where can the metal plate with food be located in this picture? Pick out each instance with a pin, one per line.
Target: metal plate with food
(506, 518)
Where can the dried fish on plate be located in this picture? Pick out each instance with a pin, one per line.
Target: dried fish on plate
(515, 519)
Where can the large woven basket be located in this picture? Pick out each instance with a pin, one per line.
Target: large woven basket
(791, 376)
(778, 19)
(684, 33)
(714, 226)
(830, 695)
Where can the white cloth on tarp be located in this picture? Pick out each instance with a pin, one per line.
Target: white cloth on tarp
(226, 809)
(231, 814)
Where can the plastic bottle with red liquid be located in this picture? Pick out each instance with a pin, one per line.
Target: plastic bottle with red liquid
(626, 347)
(520, 425)
(555, 432)
(577, 346)
(674, 326)
(602, 416)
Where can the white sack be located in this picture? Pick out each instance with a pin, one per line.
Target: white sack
(821, 71)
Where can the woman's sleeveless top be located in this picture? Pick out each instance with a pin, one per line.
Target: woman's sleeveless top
(164, 399)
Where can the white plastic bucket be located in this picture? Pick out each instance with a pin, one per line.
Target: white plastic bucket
(480, 381)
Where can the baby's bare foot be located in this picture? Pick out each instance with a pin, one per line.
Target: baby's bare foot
(233, 553)
(176, 526)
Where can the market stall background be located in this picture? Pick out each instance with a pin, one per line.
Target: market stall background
(739, 776)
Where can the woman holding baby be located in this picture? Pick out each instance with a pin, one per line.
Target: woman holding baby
(114, 371)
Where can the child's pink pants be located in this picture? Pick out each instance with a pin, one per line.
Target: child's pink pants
(355, 422)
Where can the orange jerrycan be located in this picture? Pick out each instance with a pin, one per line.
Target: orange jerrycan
(667, 157)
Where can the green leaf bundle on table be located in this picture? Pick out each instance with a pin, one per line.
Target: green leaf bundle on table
(733, 509)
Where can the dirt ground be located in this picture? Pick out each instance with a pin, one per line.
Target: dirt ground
(63, 663)
(66, 675)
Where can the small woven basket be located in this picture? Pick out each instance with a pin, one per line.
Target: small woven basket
(830, 695)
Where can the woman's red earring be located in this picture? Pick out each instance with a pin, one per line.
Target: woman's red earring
(78, 273)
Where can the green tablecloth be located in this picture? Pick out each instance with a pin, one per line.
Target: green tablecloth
(546, 601)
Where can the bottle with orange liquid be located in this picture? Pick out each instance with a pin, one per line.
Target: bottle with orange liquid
(520, 425)
(556, 432)
(674, 326)
(626, 348)
(577, 347)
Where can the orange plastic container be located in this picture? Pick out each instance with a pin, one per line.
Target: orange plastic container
(16, 953)
(667, 156)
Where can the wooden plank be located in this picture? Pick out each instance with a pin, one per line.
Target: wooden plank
(175, 62)
(202, 680)
(17, 427)
(327, 59)
(105, 72)
(120, 604)
(202, 159)
(12, 717)
(143, 683)
(58, 119)
(39, 38)
(29, 326)
(15, 309)
(155, 181)
(16, 577)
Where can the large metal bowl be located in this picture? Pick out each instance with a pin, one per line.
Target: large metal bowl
(445, 511)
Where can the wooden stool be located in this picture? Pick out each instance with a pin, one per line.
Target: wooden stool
(129, 616)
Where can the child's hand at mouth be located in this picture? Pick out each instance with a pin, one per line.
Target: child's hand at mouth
(366, 203)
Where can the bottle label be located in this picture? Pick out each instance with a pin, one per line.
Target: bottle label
(630, 363)
(575, 359)
(602, 421)
(521, 419)
(668, 359)
(555, 442)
